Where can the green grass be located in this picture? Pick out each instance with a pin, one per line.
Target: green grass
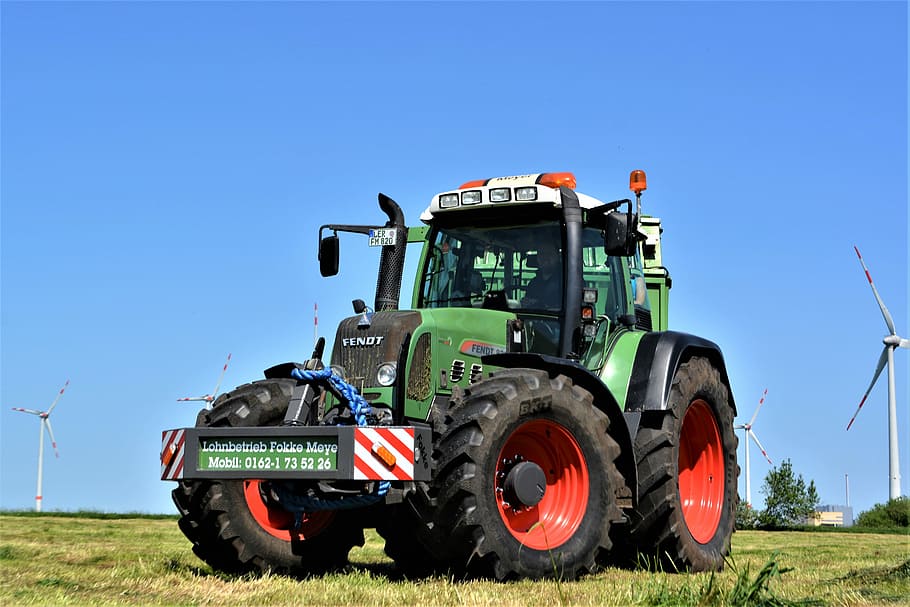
(100, 559)
(88, 514)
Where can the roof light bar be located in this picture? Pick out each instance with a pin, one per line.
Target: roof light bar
(533, 188)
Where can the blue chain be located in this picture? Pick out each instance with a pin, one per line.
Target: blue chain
(356, 403)
(360, 408)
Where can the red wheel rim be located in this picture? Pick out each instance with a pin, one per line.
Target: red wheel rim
(278, 521)
(557, 516)
(701, 471)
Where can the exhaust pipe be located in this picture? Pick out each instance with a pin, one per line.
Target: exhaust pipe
(391, 261)
(571, 211)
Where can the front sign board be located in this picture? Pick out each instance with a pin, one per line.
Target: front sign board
(289, 452)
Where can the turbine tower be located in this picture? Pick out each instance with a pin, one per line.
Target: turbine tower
(892, 341)
(45, 417)
(750, 433)
(208, 398)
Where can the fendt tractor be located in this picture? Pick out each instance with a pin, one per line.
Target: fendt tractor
(531, 416)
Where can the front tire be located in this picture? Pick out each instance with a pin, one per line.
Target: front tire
(687, 474)
(524, 479)
(234, 524)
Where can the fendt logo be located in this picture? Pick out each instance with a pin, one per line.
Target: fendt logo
(369, 340)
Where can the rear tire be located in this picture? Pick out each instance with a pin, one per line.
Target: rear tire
(687, 475)
(233, 524)
(481, 518)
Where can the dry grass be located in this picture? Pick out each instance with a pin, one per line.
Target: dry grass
(62, 560)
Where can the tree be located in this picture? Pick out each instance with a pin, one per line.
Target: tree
(894, 513)
(789, 500)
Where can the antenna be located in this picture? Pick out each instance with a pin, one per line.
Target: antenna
(892, 341)
(208, 398)
(45, 417)
(750, 433)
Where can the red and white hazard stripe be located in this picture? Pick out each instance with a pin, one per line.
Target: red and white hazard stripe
(368, 465)
(172, 442)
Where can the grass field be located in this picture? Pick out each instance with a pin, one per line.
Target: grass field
(90, 560)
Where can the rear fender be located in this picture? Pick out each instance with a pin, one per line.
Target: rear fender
(659, 355)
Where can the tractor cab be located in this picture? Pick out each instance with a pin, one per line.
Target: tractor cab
(566, 264)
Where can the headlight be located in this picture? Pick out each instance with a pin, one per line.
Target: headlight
(386, 374)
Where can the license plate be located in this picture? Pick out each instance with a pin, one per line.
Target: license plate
(383, 237)
(267, 454)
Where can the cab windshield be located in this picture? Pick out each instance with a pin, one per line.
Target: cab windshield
(517, 268)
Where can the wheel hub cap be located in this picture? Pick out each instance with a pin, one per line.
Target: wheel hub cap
(525, 484)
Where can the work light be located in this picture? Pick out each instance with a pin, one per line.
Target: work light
(526, 193)
(448, 201)
(470, 197)
(500, 195)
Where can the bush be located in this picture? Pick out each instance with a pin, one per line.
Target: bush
(746, 516)
(893, 513)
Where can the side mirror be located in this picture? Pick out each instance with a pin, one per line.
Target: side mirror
(328, 255)
(618, 240)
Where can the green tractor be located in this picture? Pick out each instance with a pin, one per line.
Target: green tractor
(531, 416)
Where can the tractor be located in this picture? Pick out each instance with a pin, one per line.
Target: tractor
(530, 416)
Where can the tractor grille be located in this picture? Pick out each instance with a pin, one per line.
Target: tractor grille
(360, 350)
(419, 373)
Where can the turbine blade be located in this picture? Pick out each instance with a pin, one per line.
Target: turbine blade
(761, 401)
(59, 394)
(881, 304)
(32, 411)
(188, 398)
(218, 385)
(50, 431)
(882, 361)
(762, 449)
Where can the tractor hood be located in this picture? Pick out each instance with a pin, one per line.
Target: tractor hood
(432, 350)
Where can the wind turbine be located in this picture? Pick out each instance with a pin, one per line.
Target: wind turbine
(749, 432)
(45, 417)
(209, 398)
(892, 341)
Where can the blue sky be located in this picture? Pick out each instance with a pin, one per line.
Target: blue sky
(165, 168)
